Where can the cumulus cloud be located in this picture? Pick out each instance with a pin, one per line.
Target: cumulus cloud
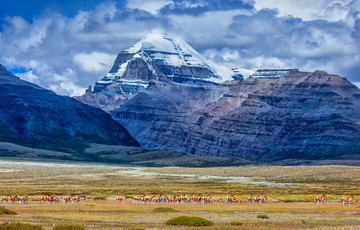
(94, 61)
(308, 9)
(67, 54)
(29, 76)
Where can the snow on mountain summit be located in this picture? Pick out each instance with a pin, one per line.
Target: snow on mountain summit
(158, 57)
(181, 52)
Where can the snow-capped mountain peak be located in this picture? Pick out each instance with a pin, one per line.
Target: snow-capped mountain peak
(165, 56)
(160, 57)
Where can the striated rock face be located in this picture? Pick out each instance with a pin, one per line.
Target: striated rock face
(301, 115)
(158, 57)
(38, 117)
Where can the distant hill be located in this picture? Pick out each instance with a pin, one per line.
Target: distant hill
(36, 117)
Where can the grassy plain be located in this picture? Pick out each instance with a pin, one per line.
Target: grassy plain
(291, 191)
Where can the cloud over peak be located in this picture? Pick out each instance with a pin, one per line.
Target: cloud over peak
(67, 53)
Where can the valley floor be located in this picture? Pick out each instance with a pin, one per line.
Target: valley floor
(291, 191)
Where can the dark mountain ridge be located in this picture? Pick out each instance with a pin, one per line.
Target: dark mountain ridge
(36, 117)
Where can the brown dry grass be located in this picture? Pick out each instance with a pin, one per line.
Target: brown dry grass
(108, 181)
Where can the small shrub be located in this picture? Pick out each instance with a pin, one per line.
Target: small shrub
(189, 221)
(236, 223)
(99, 198)
(163, 209)
(5, 211)
(263, 216)
(68, 227)
(18, 226)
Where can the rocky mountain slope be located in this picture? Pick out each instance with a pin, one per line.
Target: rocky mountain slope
(157, 57)
(37, 117)
(300, 115)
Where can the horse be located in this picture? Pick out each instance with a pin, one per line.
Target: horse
(23, 199)
(44, 199)
(6, 199)
(257, 199)
(232, 199)
(320, 199)
(120, 199)
(250, 199)
(262, 199)
(49, 199)
(346, 199)
(229, 199)
(207, 199)
(13, 199)
(67, 199)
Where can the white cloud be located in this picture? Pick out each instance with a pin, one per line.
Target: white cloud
(152, 6)
(318, 43)
(29, 76)
(94, 61)
(63, 83)
(306, 9)
(69, 54)
(210, 27)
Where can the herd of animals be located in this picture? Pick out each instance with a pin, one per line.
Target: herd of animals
(161, 199)
(9, 199)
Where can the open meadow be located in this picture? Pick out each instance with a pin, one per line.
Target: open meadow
(291, 192)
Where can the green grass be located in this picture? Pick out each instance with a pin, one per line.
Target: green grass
(165, 209)
(263, 216)
(99, 198)
(189, 221)
(68, 227)
(236, 223)
(5, 211)
(19, 226)
(104, 182)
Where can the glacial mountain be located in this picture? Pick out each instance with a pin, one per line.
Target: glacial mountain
(36, 117)
(303, 115)
(158, 57)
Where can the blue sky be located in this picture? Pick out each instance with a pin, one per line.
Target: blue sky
(67, 45)
(28, 9)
